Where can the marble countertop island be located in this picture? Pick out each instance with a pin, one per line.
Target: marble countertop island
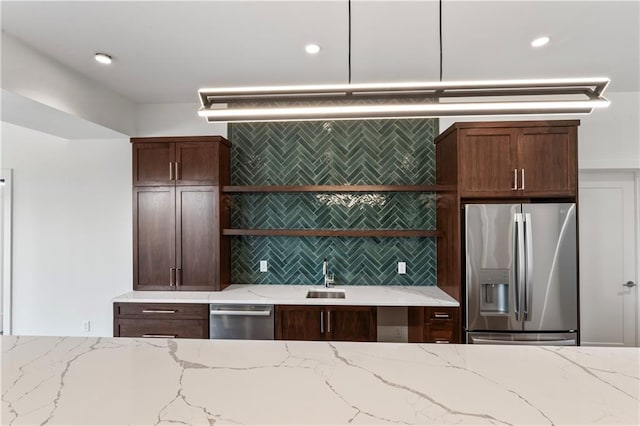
(110, 381)
(362, 295)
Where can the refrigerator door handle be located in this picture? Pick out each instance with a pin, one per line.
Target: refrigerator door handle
(528, 281)
(519, 257)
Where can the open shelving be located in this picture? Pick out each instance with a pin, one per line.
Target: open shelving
(335, 189)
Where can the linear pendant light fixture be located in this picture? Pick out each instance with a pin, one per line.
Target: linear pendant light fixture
(402, 100)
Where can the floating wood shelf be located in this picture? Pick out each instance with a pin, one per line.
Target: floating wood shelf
(339, 188)
(334, 232)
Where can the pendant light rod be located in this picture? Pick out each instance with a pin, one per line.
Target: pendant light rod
(440, 36)
(349, 61)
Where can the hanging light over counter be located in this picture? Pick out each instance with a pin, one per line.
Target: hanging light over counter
(403, 100)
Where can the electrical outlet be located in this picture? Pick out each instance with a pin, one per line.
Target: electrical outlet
(402, 267)
(398, 332)
(263, 266)
(86, 326)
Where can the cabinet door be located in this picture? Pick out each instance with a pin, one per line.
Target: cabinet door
(352, 323)
(197, 163)
(197, 238)
(300, 322)
(548, 156)
(154, 238)
(153, 163)
(487, 162)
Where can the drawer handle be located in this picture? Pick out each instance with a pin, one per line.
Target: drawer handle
(162, 336)
(437, 315)
(221, 312)
(159, 311)
(442, 341)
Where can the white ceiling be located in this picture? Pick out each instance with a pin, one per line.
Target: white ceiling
(165, 51)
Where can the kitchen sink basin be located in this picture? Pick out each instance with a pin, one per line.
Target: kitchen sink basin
(325, 293)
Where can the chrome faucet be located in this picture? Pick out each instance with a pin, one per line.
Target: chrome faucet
(328, 278)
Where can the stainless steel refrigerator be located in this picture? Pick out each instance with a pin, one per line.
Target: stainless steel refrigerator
(521, 274)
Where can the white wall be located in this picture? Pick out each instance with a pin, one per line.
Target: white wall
(72, 230)
(175, 120)
(29, 73)
(607, 139)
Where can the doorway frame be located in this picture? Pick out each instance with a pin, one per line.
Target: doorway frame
(5, 279)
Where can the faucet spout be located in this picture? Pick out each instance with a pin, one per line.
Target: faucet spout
(328, 278)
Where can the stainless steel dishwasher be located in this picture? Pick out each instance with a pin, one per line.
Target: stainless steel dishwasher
(241, 321)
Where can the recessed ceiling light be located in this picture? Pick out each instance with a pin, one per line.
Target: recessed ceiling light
(103, 58)
(312, 49)
(540, 41)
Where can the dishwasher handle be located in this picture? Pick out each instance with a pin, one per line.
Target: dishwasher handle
(222, 312)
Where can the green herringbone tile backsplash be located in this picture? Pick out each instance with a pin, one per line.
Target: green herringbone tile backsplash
(385, 152)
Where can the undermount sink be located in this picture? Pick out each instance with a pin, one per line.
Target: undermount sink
(325, 293)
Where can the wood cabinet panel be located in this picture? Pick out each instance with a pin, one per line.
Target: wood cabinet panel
(178, 213)
(352, 323)
(152, 163)
(434, 324)
(197, 163)
(153, 238)
(339, 323)
(161, 310)
(177, 329)
(300, 322)
(170, 320)
(548, 157)
(518, 162)
(442, 325)
(487, 160)
(197, 233)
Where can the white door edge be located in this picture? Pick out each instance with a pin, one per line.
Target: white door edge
(5, 279)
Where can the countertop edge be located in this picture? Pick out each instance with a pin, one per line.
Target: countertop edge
(382, 296)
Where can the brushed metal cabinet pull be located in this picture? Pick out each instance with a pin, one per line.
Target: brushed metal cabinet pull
(170, 170)
(177, 174)
(515, 180)
(328, 321)
(440, 315)
(522, 179)
(442, 341)
(178, 276)
(321, 322)
(162, 336)
(159, 311)
(172, 277)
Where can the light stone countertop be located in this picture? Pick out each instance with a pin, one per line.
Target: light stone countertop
(117, 381)
(295, 295)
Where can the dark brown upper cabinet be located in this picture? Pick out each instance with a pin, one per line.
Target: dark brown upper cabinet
(180, 161)
(525, 159)
(178, 214)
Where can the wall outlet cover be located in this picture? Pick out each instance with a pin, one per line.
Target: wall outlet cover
(263, 266)
(402, 267)
(86, 326)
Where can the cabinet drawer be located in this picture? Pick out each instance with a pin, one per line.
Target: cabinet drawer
(440, 332)
(178, 329)
(441, 314)
(167, 311)
(434, 324)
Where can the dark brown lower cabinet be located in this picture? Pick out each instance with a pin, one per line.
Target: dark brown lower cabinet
(434, 324)
(337, 323)
(167, 320)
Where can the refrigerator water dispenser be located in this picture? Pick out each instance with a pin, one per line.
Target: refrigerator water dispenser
(494, 298)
